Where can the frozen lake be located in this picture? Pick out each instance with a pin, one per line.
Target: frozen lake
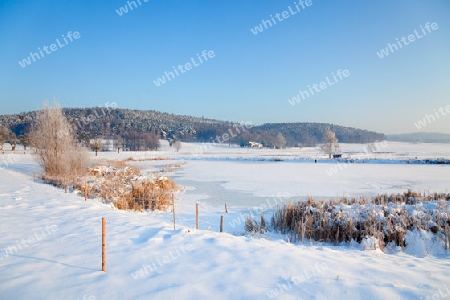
(246, 177)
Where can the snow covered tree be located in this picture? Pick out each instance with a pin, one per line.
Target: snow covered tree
(281, 141)
(97, 145)
(13, 141)
(177, 145)
(330, 143)
(118, 143)
(57, 151)
(4, 135)
(25, 140)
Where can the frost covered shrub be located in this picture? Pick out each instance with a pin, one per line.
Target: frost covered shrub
(57, 151)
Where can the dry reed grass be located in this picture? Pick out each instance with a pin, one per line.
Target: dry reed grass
(387, 218)
(128, 189)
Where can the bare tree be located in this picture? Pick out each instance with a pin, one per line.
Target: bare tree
(330, 143)
(131, 141)
(33, 142)
(13, 141)
(57, 151)
(25, 140)
(96, 145)
(149, 141)
(118, 143)
(4, 135)
(177, 145)
(281, 141)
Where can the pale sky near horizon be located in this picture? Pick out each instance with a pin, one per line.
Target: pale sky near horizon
(109, 55)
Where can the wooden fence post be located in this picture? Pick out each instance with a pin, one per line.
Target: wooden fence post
(226, 207)
(446, 236)
(103, 244)
(221, 223)
(173, 209)
(85, 191)
(196, 216)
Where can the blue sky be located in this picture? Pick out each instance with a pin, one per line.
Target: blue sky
(251, 77)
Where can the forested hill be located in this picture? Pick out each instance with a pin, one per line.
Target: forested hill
(116, 123)
(311, 133)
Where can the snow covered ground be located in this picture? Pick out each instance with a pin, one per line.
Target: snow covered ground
(50, 241)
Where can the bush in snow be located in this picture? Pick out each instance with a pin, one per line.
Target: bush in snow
(57, 151)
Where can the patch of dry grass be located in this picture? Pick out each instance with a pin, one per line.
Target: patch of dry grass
(128, 189)
(387, 218)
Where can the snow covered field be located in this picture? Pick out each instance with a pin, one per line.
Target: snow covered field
(50, 241)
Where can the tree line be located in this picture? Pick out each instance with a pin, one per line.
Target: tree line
(136, 130)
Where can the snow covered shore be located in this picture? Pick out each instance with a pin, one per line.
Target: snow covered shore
(50, 241)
